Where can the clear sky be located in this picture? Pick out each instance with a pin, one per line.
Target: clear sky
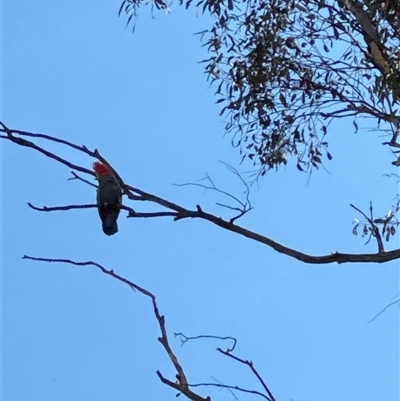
(72, 70)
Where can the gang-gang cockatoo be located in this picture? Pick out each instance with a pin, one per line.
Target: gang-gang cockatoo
(109, 198)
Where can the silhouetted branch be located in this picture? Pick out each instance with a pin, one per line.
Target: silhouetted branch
(230, 390)
(245, 184)
(237, 388)
(253, 369)
(374, 229)
(384, 309)
(23, 142)
(242, 213)
(178, 212)
(59, 208)
(244, 206)
(77, 177)
(10, 133)
(370, 226)
(185, 339)
(392, 175)
(152, 214)
(181, 384)
(211, 187)
(132, 213)
(95, 153)
(228, 352)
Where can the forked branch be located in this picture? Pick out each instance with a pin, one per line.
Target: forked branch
(181, 383)
(267, 395)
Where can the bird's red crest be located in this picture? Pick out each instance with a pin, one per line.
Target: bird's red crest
(101, 169)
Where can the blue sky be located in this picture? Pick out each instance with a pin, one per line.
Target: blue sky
(72, 70)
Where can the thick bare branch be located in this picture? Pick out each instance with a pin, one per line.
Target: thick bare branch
(179, 213)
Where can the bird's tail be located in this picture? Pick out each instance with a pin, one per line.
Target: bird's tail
(110, 225)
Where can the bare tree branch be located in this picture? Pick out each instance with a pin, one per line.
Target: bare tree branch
(244, 208)
(182, 384)
(184, 339)
(59, 208)
(230, 390)
(179, 212)
(77, 177)
(23, 142)
(384, 309)
(132, 213)
(213, 188)
(237, 388)
(253, 369)
(228, 352)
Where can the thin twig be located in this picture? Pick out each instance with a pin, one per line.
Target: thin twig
(185, 339)
(253, 369)
(384, 309)
(132, 212)
(244, 208)
(211, 188)
(237, 388)
(245, 184)
(230, 390)
(151, 214)
(77, 177)
(375, 229)
(60, 208)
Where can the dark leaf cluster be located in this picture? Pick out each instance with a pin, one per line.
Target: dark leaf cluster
(382, 227)
(285, 69)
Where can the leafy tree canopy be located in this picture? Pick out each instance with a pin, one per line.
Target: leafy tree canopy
(284, 70)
